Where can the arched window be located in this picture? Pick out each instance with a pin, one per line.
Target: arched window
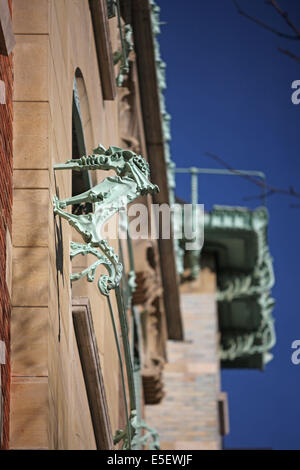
(81, 181)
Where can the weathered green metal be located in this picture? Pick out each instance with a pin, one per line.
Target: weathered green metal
(126, 346)
(108, 197)
(107, 258)
(238, 237)
(111, 8)
(250, 253)
(237, 345)
(150, 437)
(166, 120)
(238, 284)
(128, 284)
(122, 56)
(222, 171)
(131, 282)
(192, 258)
(125, 163)
(253, 282)
(133, 436)
(137, 426)
(161, 77)
(117, 342)
(141, 434)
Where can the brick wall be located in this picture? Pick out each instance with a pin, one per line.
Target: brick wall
(188, 416)
(6, 75)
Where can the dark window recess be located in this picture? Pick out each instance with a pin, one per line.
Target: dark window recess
(80, 179)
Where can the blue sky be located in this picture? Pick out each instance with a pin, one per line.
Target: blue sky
(229, 93)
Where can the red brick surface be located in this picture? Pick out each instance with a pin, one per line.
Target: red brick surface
(188, 416)
(6, 116)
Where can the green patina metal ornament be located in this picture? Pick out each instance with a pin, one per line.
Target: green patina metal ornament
(108, 197)
(166, 120)
(108, 259)
(234, 285)
(122, 56)
(138, 440)
(131, 285)
(238, 236)
(238, 345)
(126, 38)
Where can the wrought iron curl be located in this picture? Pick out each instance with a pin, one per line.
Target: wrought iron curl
(109, 197)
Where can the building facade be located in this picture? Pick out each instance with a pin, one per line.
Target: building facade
(6, 155)
(99, 340)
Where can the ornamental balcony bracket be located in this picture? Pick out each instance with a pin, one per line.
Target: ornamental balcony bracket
(126, 38)
(245, 279)
(262, 279)
(261, 341)
(257, 277)
(122, 56)
(109, 197)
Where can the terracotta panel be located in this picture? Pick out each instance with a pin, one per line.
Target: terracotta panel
(30, 217)
(30, 16)
(30, 277)
(29, 413)
(31, 68)
(31, 179)
(29, 351)
(31, 135)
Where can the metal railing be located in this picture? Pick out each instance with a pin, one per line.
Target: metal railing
(195, 172)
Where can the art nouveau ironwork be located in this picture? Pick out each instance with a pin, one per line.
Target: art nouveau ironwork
(109, 198)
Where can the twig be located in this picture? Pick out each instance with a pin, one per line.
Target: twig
(267, 27)
(270, 190)
(289, 54)
(284, 15)
(260, 196)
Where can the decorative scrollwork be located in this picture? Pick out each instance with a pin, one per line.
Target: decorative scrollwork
(122, 56)
(108, 197)
(137, 426)
(131, 285)
(260, 280)
(109, 259)
(256, 342)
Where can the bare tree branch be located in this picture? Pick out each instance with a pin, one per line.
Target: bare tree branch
(285, 16)
(267, 188)
(289, 54)
(267, 27)
(259, 196)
